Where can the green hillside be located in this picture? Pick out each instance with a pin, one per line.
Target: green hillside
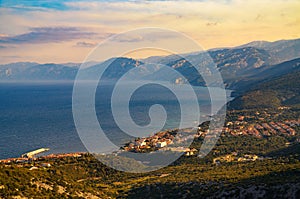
(275, 175)
(280, 91)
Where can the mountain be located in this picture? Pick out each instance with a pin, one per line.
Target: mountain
(240, 67)
(116, 67)
(37, 72)
(235, 64)
(162, 59)
(265, 73)
(281, 51)
(50, 71)
(232, 64)
(8, 71)
(278, 91)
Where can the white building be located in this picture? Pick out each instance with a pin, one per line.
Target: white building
(141, 142)
(161, 144)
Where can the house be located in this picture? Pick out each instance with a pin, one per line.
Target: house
(161, 144)
(141, 142)
(250, 157)
(190, 152)
(288, 144)
(241, 118)
(229, 123)
(46, 165)
(33, 168)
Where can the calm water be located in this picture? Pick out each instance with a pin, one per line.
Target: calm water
(35, 115)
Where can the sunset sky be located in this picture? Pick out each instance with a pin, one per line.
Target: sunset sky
(67, 30)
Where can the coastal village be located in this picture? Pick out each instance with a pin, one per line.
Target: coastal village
(169, 140)
(261, 124)
(262, 129)
(174, 139)
(258, 124)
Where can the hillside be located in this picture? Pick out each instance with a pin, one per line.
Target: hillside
(279, 91)
(241, 66)
(263, 74)
(189, 177)
(232, 64)
(239, 166)
(282, 50)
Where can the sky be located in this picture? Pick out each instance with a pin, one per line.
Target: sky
(63, 31)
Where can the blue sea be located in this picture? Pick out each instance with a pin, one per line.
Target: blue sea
(39, 114)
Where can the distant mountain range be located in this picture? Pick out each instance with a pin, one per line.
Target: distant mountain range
(280, 51)
(240, 66)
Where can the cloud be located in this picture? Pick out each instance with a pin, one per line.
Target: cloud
(212, 24)
(13, 56)
(128, 38)
(136, 36)
(86, 44)
(47, 35)
(77, 24)
(39, 4)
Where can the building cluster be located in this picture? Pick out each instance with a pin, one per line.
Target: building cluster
(174, 139)
(235, 157)
(171, 140)
(260, 129)
(186, 151)
(157, 141)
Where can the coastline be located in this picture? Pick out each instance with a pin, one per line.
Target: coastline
(42, 158)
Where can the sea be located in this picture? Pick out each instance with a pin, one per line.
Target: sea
(39, 114)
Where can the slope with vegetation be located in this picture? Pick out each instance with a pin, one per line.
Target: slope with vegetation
(276, 175)
(280, 91)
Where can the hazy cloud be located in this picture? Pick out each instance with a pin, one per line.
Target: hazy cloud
(48, 35)
(150, 36)
(86, 44)
(212, 24)
(65, 39)
(128, 38)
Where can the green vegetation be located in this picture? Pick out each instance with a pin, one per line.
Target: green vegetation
(275, 174)
(281, 91)
(257, 99)
(190, 177)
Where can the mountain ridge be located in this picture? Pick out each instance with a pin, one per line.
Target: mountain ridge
(283, 90)
(236, 65)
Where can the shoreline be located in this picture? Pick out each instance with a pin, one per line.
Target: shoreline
(43, 157)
